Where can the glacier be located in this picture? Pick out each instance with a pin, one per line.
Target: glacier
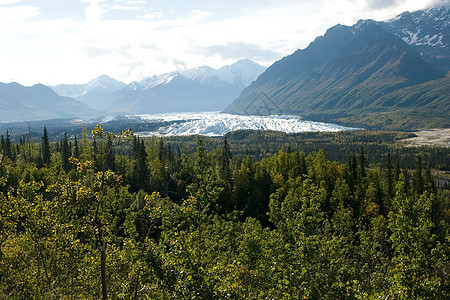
(219, 124)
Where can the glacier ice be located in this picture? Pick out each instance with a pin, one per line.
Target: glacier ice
(219, 124)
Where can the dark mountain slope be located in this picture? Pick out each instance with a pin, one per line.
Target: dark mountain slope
(421, 106)
(432, 94)
(293, 66)
(371, 64)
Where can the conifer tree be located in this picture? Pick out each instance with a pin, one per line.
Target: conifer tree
(225, 165)
(354, 169)
(7, 150)
(398, 171)
(389, 176)
(362, 164)
(140, 169)
(76, 150)
(65, 153)
(418, 176)
(405, 181)
(45, 148)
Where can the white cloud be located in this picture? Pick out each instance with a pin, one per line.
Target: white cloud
(132, 2)
(94, 11)
(17, 14)
(6, 2)
(349, 11)
(165, 38)
(124, 7)
(153, 15)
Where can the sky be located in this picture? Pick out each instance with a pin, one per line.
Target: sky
(75, 41)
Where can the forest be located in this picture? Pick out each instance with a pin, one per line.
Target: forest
(252, 215)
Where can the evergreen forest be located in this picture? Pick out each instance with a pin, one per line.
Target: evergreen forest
(252, 215)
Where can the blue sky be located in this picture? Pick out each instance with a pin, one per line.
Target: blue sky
(74, 41)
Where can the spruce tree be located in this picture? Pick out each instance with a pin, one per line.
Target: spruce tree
(46, 154)
(140, 169)
(225, 166)
(76, 150)
(7, 147)
(389, 175)
(362, 164)
(398, 171)
(65, 153)
(418, 176)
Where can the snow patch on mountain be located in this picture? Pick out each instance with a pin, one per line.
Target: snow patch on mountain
(242, 72)
(103, 83)
(422, 28)
(153, 81)
(433, 41)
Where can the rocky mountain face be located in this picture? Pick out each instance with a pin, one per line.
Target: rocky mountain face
(427, 31)
(363, 69)
(20, 103)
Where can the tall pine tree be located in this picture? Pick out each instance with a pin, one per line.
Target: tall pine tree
(65, 153)
(46, 154)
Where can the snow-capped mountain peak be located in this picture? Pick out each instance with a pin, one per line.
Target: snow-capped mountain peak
(155, 80)
(103, 83)
(242, 72)
(198, 89)
(426, 30)
(422, 28)
(199, 74)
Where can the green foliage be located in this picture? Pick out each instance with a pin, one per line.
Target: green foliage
(208, 225)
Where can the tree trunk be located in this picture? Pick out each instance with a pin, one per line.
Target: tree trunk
(103, 271)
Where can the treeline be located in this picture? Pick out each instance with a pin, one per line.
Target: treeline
(123, 217)
(337, 146)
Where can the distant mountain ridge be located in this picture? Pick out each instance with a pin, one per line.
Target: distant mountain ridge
(20, 103)
(199, 89)
(95, 93)
(361, 69)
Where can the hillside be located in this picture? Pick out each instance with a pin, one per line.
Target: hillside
(19, 103)
(352, 75)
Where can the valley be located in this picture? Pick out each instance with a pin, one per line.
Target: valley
(243, 165)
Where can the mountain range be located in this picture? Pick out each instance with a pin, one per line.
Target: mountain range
(95, 93)
(20, 103)
(200, 89)
(354, 74)
(392, 74)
